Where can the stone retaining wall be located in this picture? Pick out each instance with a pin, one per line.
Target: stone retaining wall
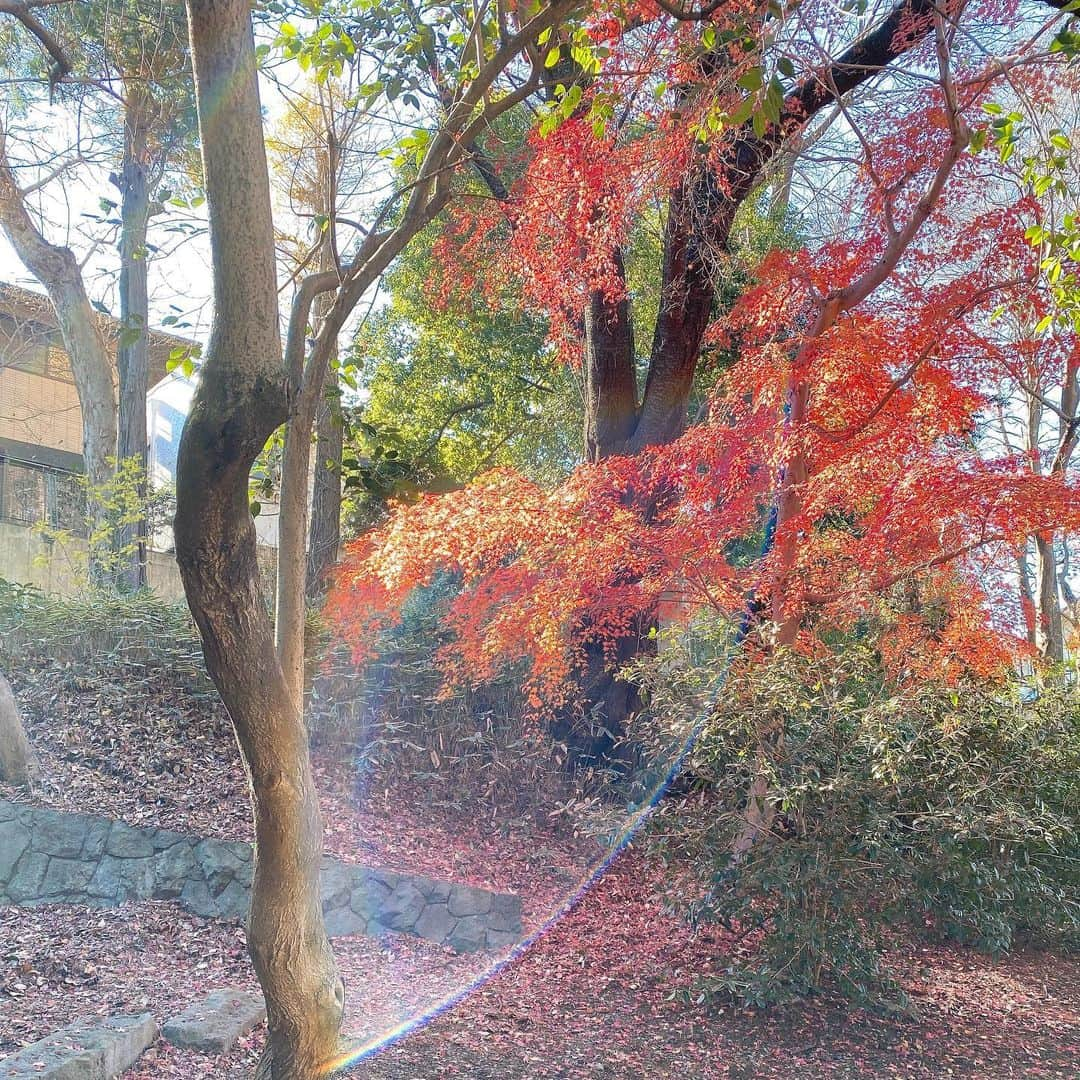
(52, 857)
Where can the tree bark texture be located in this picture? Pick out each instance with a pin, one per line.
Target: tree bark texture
(240, 400)
(701, 212)
(325, 536)
(133, 351)
(1049, 632)
(58, 271)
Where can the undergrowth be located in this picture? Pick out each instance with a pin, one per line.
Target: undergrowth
(950, 812)
(392, 726)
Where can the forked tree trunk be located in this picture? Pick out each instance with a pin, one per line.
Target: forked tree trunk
(17, 761)
(240, 400)
(133, 351)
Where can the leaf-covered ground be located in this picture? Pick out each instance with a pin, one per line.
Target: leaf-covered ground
(608, 991)
(168, 759)
(600, 995)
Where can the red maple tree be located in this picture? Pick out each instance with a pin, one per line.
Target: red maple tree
(846, 427)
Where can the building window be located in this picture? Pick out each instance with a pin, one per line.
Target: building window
(32, 494)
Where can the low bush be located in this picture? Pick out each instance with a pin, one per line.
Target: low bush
(948, 810)
(138, 634)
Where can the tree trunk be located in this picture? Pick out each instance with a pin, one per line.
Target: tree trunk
(325, 538)
(290, 608)
(58, 271)
(293, 567)
(241, 399)
(133, 353)
(788, 507)
(611, 404)
(18, 765)
(1027, 598)
(1049, 636)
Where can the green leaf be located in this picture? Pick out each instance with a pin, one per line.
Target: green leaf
(743, 112)
(751, 80)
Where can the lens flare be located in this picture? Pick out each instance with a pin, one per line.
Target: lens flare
(637, 815)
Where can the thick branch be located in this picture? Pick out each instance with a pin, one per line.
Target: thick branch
(22, 12)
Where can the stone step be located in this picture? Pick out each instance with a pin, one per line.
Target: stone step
(215, 1024)
(90, 1048)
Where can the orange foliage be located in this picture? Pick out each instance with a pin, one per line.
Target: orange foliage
(901, 498)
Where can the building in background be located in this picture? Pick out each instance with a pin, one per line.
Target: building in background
(41, 444)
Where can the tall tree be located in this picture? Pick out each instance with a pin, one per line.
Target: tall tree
(861, 344)
(246, 390)
(126, 68)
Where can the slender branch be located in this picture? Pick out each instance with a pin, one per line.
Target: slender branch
(938, 560)
(909, 372)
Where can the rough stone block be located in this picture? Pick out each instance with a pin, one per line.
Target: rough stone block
(465, 900)
(369, 895)
(14, 840)
(25, 883)
(127, 842)
(66, 876)
(403, 907)
(336, 882)
(469, 935)
(56, 833)
(167, 838)
(88, 1049)
(235, 901)
(344, 922)
(97, 834)
(136, 877)
(218, 882)
(8, 810)
(108, 881)
(386, 878)
(121, 1038)
(497, 940)
(173, 866)
(439, 892)
(505, 913)
(223, 857)
(215, 1024)
(197, 899)
(435, 923)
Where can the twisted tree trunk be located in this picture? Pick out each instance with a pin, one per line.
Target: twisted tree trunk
(240, 400)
